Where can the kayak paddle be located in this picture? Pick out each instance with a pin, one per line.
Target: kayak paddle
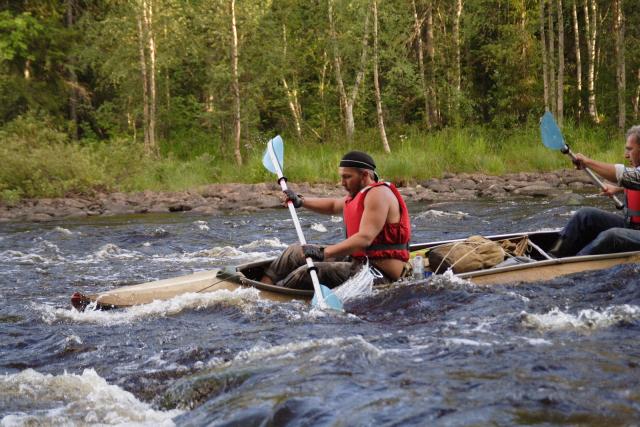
(273, 160)
(552, 138)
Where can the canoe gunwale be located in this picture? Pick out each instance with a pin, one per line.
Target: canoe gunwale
(585, 259)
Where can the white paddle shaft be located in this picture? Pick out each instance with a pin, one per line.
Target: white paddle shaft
(296, 222)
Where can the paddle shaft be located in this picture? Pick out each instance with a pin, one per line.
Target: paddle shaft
(566, 150)
(296, 222)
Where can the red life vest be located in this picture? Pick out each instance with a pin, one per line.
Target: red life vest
(632, 207)
(393, 240)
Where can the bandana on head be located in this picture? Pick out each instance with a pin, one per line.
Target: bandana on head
(360, 160)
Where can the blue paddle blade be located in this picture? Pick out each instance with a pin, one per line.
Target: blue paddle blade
(551, 135)
(330, 299)
(278, 148)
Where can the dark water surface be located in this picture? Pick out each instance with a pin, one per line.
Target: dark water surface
(561, 352)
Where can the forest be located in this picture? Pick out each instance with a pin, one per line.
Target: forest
(130, 95)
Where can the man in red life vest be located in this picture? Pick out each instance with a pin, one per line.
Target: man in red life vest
(593, 231)
(377, 228)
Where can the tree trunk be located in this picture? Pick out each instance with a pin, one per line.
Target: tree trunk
(376, 82)
(560, 90)
(423, 78)
(576, 32)
(620, 62)
(235, 84)
(145, 83)
(636, 99)
(591, 27)
(545, 64)
(321, 90)
(434, 110)
(552, 59)
(153, 147)
(347, 101)
(292, 95)
(457, 77)
(73, 78)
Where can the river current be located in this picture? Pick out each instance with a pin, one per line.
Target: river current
(559, 352)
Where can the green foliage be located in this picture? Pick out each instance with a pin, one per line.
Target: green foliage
(286, 59)
(38, 161)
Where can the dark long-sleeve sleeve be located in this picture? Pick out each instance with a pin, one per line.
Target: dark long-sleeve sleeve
(630, 179)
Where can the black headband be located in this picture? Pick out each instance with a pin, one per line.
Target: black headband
(357, 159)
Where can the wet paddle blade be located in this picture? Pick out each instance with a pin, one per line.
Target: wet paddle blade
(551, 135)
(278, 148)
(330, 299)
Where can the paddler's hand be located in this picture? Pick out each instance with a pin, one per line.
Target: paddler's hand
(580, 161)
(314, 252)
(611, 190)
(294, 198)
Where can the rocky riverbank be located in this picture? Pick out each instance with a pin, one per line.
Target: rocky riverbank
(215, 198)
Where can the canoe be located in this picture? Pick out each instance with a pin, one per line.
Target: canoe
(541, 266)
(245, 275)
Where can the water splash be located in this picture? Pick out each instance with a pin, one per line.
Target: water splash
(588, 319)
(86, 399)
(241, 297)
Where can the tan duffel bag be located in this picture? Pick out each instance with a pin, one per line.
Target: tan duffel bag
(474, 253)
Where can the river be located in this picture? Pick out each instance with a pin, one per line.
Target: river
(560, 352)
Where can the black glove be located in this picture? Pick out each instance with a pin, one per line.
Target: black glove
(314, 252)
(296, 199)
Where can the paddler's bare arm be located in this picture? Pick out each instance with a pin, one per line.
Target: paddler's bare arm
(605, 170)
(326, 206)
(376, 211)
(323, 205)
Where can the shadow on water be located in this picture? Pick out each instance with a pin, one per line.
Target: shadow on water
(444, 352)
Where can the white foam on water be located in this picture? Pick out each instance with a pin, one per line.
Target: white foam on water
(109, 251)
(23, 258)
(319, 227)
(587, 319)
(433, 213)
(302, 349)
(447, 280)
(202, 225)
(241, 297)
(64, 231)
(85, 399)
(466, 341)
(336, 218)
(536, 341)
(269, 243)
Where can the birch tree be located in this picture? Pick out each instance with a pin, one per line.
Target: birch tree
(551, 35)
(235, 85)
(591, 28)
(73, 78)
(147, 55)
(457, 77)
(347, 101)
(560, 80)
(423, 78)
(545, 59)
(376, 80)
(292, 93)
(618, 20)
(576, 33)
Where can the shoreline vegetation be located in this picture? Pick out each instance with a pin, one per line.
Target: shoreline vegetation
(40, 162)
(45, 176)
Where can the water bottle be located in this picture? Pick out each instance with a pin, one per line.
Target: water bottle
(418, 268)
